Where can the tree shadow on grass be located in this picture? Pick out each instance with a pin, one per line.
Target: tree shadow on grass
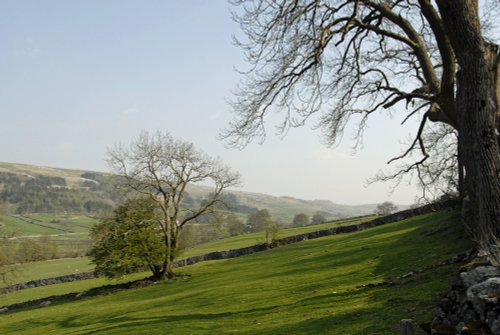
(131, 325)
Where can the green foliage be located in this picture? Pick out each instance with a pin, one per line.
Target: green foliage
(129, 240)
(50, 194)
(318, 219)
(234, 225)
(259, 221)
(300, 220)
(7, 257)
(273, 232)
(31, 250)
(24, 250)
(232, 203)
(386, 208)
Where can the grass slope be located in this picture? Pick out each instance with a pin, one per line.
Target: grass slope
(310, 287)
(61, 267)
(246, 240)
(47, 269)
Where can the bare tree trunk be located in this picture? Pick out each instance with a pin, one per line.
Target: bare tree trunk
(170, 267)
(477, 111)
(169, 271)
(158, 271)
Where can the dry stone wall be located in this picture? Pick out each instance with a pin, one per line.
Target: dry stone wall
(255, 248)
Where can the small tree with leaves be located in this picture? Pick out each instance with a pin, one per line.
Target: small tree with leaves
(262, 221)
(300, 220)
(234, 225)
(129, 240)
(386, 208)
(161, 167)
(318, 219)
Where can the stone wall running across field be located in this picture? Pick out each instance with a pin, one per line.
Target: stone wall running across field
(255, 248)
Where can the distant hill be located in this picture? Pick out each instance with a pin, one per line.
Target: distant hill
(35, 189)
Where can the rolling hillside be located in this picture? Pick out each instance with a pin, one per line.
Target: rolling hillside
(341, 284)
(26, 189)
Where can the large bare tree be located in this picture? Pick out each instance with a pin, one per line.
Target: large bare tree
(336, 59)
(161, 167)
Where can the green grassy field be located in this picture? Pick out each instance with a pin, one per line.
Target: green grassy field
(48, 269)
(246, 240)
(61, 267)
(312, 287)
(45, 224)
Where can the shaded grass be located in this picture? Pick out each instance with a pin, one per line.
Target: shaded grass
(304, 288)
(62, 288)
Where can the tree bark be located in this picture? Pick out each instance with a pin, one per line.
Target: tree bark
(169, 273)
(477, 113)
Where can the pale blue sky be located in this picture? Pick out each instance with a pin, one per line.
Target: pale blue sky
(78, 76)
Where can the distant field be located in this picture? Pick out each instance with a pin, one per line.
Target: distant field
(311, 287)
(46, 224)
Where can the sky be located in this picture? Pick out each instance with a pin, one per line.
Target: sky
(77, 77)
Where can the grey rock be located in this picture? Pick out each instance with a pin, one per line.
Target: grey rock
(488, 290)
(491, 317)
(479, 275)
(45, 303)
(4, 309)
(469, 316)
(495, 327)
(439, 313)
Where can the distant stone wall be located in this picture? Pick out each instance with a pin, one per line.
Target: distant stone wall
(254, 248)
(48, 281)
(317, 234)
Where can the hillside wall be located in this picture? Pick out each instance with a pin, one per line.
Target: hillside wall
(254, 248)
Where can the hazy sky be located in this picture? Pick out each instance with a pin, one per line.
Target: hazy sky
(78, 76)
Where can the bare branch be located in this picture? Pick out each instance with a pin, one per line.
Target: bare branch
(161, 167)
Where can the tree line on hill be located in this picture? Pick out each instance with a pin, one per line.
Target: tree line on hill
(45, 194)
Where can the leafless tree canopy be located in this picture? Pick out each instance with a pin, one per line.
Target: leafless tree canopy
(437, 173)
(340, 58)
(161, 167)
